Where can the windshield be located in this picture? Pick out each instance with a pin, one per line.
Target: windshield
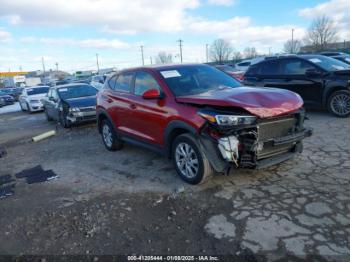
(76, 91)
(37, 90)
(328, 63)
(191, 80)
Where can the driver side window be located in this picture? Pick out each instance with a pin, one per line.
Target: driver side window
(143, 82)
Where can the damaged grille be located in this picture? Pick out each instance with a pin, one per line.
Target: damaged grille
(268, 131)
(276, 128)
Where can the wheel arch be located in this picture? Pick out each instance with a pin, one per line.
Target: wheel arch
(173, 130)
(101, 115)
(330, 91)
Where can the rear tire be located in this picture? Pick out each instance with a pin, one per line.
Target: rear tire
(339, 103)
(109, 137)
(190, 161)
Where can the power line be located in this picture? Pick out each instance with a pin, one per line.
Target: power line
(143, 60)
(180, 46)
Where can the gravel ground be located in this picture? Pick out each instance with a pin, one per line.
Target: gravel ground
(132, 202)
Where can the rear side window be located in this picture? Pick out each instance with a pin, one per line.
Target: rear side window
(270, 68)
(143, 82)
(123, 83)
(244, 64)
(253, 70)
(112, 82)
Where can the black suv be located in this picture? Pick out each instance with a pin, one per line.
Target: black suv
(321, 81)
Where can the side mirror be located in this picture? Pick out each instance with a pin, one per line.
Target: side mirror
(312, 72)
(151, 94)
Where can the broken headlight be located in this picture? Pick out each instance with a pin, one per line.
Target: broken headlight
(74, 109)
(227, 120)
(232, 120)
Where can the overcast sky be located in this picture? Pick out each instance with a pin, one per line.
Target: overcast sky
(71, 32)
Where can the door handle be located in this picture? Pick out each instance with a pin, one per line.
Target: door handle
(133, 106)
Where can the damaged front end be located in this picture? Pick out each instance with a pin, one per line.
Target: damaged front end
(245, 141)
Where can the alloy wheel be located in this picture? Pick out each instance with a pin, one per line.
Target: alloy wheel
(186, 160)
(340, 104)
(107, 135)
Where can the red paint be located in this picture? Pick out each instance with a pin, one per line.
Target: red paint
(262, 102)
(147, 119)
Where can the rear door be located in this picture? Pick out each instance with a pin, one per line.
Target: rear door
(148, 116)
(119, 98)
(310, 88)
(269, 74)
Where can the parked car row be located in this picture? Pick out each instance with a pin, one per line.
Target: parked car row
(322, 81)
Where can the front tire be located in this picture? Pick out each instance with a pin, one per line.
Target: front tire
(64, 121)
(109, 137)
(190, 161)
(339, 103)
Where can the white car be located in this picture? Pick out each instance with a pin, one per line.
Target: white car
(98, 81)
(30, 99)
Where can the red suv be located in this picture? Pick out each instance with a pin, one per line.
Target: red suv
(201, 118)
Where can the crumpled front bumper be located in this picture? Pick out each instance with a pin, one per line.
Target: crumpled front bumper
(224, 153)
(79, 117)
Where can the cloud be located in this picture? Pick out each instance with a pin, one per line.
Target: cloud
(221, 2)
(242, 32)
(118, 16)
(337, 10)
(85, 43)
(5, 36)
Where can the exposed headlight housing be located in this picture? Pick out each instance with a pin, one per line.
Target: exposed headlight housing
(227, 120)
(234, 120)
(74, 109)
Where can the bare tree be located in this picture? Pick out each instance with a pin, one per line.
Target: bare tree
(321, 33)
(250, 52)
(164, 58)
(237, 55)
(220, 50)
(292, 47)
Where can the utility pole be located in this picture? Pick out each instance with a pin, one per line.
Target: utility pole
(270, 50)
(151, 60)
(20, 68)
(143, 60)
(56, 67)
(98, 65)
(180, 45)
(207, 52)
(292, 40)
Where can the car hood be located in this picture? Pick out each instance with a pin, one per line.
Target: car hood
(259, 101)
(84, 101)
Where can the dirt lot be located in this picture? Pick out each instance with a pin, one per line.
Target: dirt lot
(132, 202)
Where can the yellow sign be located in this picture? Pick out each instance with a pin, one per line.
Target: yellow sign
(5, 74)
